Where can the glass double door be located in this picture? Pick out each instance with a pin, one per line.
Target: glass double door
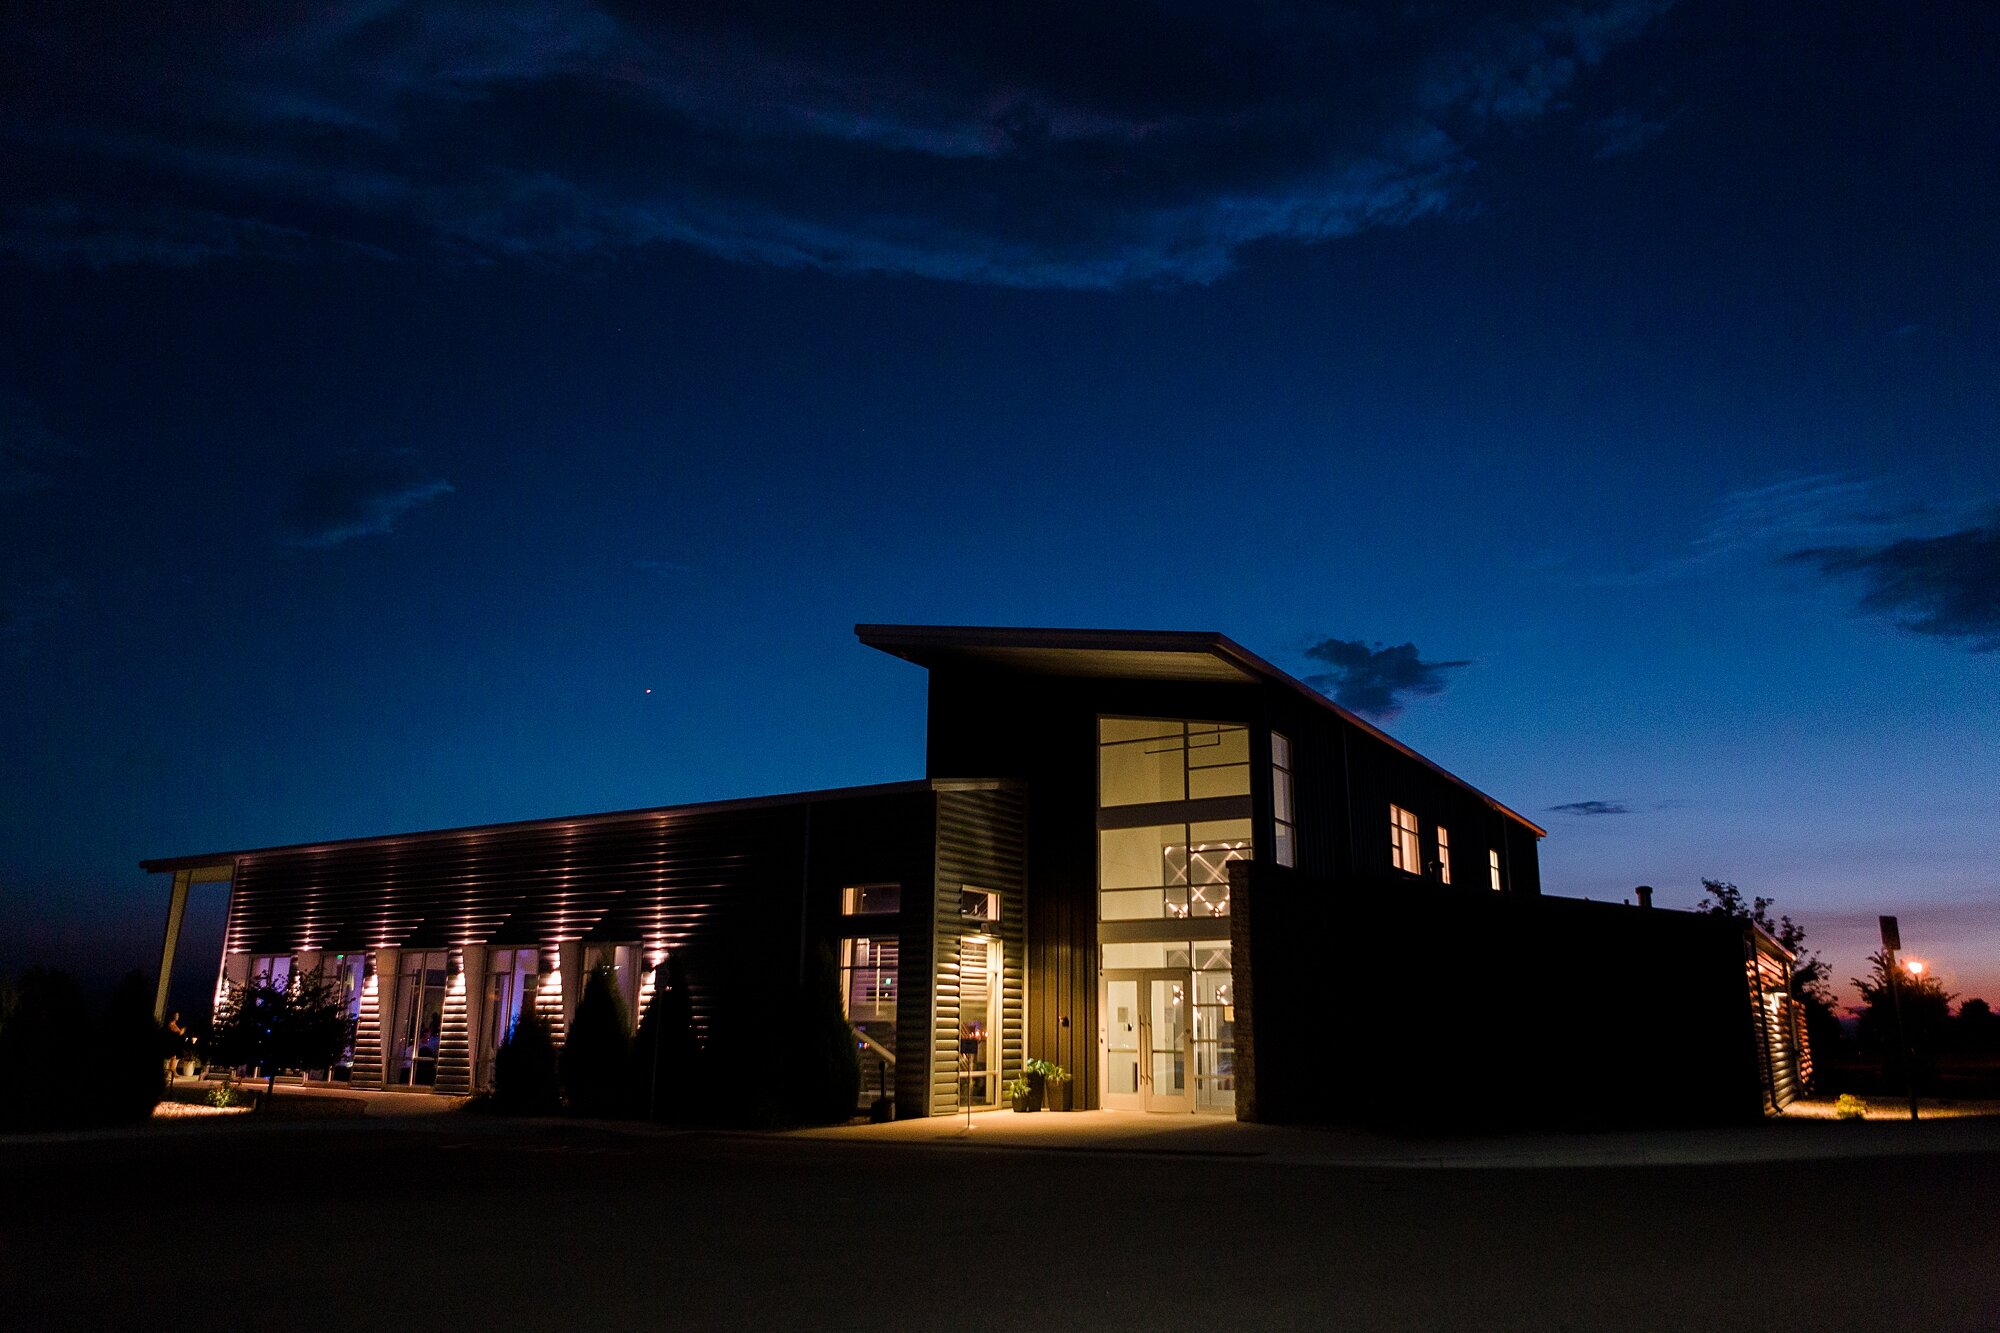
(1148, 1039)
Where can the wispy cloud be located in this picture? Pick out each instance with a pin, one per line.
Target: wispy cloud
(1376, 682)
(953, 140)
(1591, 808)
(1942, 587)
(357, 497)
(1622, 133)
(1769, 521)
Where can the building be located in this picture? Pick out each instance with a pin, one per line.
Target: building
(1061, 885)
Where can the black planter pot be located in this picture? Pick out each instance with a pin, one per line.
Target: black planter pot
(1021, 1104)
(1038, 1091)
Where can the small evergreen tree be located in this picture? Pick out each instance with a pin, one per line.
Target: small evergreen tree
(597, 1048)
(44, 1052)
(665, 1068)
(823, 1076)
(525, 1081)
(128, 1074)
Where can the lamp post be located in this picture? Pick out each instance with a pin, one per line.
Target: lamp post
(1892, 942)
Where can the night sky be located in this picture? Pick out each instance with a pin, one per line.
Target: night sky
(418, 416)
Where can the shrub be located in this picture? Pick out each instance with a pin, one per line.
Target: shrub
(596, 1050)
(824, 1072)
(525, 1080)
(666, 1061)
(128, 1075)
(44, 1053)
(227, 1095)
(1850, 1107)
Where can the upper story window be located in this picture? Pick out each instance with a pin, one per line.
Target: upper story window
(1444, 854)
(978, 904)
(1493, 866)
(1283, 842)
(1168, 871)
(871, 900)
(1143, 761)
(1403, 850)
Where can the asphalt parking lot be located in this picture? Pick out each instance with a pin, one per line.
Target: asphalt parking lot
(461, 1221)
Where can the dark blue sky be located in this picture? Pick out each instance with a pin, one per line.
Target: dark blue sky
(391, 396)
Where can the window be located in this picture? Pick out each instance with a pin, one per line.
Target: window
(1403, 853)
(1281, 801)
(868, 998)
(274, 970)
(1444, 854)
(1493, 865)
(871, 900)
(868, 986)
(978, 904)
(1146, 761)
(1169, 871)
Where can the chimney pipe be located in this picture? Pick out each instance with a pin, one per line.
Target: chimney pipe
(1645, 892)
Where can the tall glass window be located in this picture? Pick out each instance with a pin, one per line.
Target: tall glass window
(1493, 867)
(1283, 842)
(868, 993)
(1146, 761)
(420, 987)
(1444, 854)
(1169, 870)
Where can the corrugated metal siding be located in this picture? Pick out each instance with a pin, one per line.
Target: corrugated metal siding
(367, 1072)
(981, 843)
(454, 1071)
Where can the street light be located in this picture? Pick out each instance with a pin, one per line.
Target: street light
(1916, 966)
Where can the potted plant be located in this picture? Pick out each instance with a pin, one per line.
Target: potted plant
(1042, 1076)
(1017, 1093)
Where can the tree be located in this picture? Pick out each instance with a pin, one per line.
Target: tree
(1976, 1028)
(665, 1069)
(525, 1080)
(1809, 979)
(824, 1074)
(44, 1052)
(1926, 1010)
(128, 1074)
(299, 1025)
(597, 1048)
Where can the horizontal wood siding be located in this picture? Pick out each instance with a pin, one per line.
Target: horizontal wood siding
(981, 843)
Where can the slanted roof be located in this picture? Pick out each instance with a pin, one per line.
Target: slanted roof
(1125, 654)
(208, 859)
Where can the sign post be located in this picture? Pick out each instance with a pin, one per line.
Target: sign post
(1892, 941)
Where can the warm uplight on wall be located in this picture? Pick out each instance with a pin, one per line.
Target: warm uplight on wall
(368, 986)
(553, 982)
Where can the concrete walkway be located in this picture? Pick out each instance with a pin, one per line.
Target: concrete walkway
(1131, 1132)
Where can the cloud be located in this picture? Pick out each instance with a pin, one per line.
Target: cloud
(1943, 587)
(1591, 808)
(1378, 681)
(1623, 132)
(1083, 146)
(1768, 521)
(356, 498)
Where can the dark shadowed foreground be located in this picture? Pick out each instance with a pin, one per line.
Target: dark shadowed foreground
(458, 1222)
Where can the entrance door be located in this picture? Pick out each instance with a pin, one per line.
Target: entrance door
(1148, 1040)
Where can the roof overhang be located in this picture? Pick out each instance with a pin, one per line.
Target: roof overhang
(1142, 654)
